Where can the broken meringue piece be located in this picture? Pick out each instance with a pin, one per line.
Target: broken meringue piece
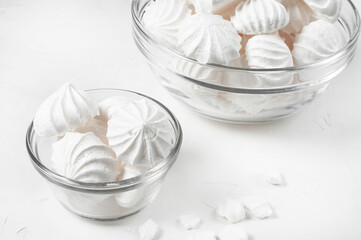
(231, 210)
(162, 19)
(201, 235)
(259, 16)
(328, 10)
(317, 40)
(65, 110)
(232, 232)
(201, 32)
(190, 221)
(140, 134)
(273, 176)
(149, 230)
(258, 206)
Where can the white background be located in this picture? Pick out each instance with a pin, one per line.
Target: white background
(88, 42)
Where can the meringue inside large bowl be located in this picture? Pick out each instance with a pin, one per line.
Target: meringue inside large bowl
(110, 200)
(232, 93)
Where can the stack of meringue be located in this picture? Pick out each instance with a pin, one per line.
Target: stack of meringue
(119, 139)
(261, 34)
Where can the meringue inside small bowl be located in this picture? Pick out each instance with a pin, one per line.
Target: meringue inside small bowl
(232, 93)
(110, 200)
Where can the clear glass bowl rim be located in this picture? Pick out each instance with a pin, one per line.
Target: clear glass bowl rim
(289, 88)
(109, 187)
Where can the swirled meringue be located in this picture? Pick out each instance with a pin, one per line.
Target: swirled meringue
(130, 198)
(259, 16)
(162, 19)
(97, 126)
(269, 51)
(328, 10)
(209, 38)
(258, 206)
(140, 134)
(300, 15)
(65, 110)
(85, 158)
(317, 40)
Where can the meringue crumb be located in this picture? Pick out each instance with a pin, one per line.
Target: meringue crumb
(149, 230)
(231, 210)
(273, 176)
(202, 235)
(258, 206)
(190, 221)
(232, 232)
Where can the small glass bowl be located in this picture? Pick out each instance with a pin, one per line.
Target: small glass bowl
(100, 201)
(234, 99)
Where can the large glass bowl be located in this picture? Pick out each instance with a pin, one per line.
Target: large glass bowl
(234, 99)
(104, 201)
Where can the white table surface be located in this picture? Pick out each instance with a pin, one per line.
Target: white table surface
(88, 42)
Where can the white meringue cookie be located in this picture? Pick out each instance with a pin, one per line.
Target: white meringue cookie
(328, 10)
(259, 16)
(273, 176)
(130, 198)
(232, 210)
(65, 110)
(162, 19)
(300, 15)
(209, 38)
(140, 134)
(232, 232)
(269, 51)
(317, 40)
(111, 105)
(190, 221)
(258, 206)
(97, 126)
(85, 158)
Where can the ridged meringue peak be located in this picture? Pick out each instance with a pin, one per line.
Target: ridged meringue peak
(85, 158)
(317, 40)
(260, 16)
(209, 38)
(65, 110)
(162, 19)
(328, 10)
(141, 134)
(266, 52)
